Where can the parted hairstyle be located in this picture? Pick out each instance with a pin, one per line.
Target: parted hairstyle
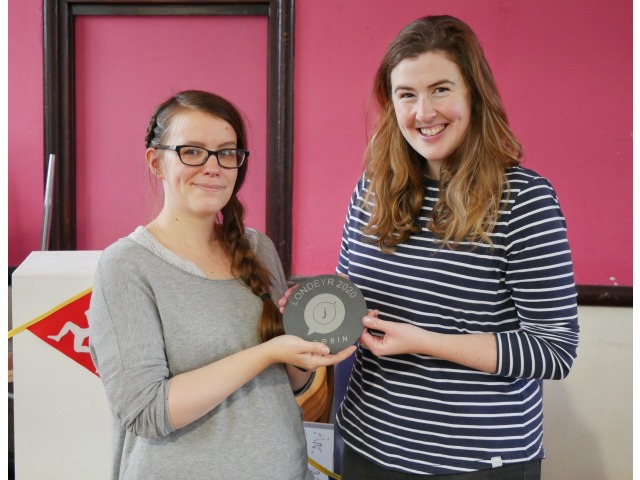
(473, 177)
(245, 264)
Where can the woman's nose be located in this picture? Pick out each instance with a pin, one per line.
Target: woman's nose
(212, 166)
(425, 110)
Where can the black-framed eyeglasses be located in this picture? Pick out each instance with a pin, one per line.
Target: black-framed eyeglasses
(196, 156)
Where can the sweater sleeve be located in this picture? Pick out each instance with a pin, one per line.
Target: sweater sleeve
(127, 347)
(540, 278)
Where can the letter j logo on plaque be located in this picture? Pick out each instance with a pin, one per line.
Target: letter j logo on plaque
(327, 309)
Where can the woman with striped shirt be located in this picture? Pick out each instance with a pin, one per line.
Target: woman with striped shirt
(463, 259)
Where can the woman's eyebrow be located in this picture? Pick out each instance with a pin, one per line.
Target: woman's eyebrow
(434, 84)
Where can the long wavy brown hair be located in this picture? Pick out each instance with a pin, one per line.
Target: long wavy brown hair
(473, 177)
(231, 229)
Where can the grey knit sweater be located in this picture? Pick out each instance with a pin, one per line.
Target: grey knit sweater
(154, 315)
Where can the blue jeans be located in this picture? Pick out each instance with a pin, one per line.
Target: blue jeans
(356, 467)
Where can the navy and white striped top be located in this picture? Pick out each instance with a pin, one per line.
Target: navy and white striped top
(419, 414)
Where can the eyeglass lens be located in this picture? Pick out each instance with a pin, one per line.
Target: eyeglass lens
(230, 158)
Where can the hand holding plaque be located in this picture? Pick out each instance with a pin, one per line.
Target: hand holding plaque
(327, 309)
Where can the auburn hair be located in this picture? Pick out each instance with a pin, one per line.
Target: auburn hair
(472, 179)
(244, 262)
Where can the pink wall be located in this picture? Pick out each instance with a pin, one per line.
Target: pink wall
(116, 93)
(25, 187)
(564, 69)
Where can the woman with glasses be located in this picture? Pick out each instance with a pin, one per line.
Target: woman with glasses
(463, 258)
(183, 329)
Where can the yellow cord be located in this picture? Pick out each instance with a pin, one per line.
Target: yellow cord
(30, 323)
(321, 469)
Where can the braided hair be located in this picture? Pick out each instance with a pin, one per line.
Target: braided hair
(244, 262)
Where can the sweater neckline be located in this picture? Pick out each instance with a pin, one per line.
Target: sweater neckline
(145, 239)
(431, 183)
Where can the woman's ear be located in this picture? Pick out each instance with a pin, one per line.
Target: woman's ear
(153, 162)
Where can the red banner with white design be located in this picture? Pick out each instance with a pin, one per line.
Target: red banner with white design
(65, 328)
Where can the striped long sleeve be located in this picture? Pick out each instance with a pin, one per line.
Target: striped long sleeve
(539, 275)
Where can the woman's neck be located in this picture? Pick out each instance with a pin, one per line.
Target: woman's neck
(195, 234)
(195, 240)
(432, 169)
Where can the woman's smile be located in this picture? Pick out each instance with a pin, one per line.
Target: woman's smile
(432, 131)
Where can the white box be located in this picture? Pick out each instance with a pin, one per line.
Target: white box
(62, 421)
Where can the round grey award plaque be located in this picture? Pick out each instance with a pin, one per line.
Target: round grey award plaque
(327, 309)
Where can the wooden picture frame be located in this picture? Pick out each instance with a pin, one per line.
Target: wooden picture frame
(59, 102)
